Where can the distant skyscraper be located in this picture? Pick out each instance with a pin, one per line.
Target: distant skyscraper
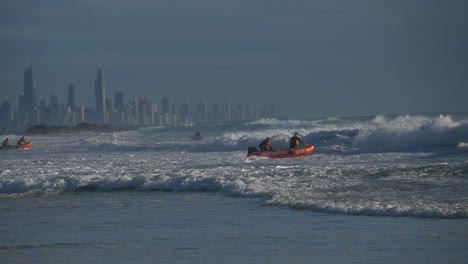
(227, 112)
(80, 114)
(216, 112)
(54, 110)
(71, 97)
(241, 108)
(203, 111)
(165, 105)
(29, 91)
(110, 107)
(166, 112)
(119, 102)
(143, 107)
(185, 110)
(136, 110)
(6, 116)
(100, 89)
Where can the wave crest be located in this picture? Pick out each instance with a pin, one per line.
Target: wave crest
(405, 133)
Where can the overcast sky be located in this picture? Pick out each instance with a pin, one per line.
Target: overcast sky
(310, 58)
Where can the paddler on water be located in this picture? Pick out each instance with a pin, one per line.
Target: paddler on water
(266, 145)
(295, 140)
(5, 143)
(197, 136)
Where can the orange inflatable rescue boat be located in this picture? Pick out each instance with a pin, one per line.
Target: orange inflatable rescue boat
(26, 145)
(282, 153)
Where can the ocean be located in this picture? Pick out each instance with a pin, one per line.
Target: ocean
(378, 189)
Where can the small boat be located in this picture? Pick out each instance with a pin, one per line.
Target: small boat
(26, 145)
(282, 153)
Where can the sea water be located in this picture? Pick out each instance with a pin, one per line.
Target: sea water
(383, 189)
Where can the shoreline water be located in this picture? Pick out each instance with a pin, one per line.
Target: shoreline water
(194, 227)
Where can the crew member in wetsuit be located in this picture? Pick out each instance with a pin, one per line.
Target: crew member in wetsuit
(266, 145)
(295, 140)
(21, 141)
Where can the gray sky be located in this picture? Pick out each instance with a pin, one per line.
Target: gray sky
(310, 58)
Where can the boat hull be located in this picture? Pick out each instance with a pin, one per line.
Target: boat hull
(26, 145)
(284, 153)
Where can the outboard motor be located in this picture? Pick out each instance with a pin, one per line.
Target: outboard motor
(251, 149)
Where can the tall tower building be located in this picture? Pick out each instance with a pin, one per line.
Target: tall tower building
(136, 110)
(29, 91)
(241, 108)
(6, 116)
(165, 105)
(227, 112)
(119, 102)
(203, 111)
(54, 110)
(110, 106)
(185, 110)
(100, 89)
(166, 112)
(71, 97)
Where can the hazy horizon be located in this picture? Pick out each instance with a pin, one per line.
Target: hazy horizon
(309, 58)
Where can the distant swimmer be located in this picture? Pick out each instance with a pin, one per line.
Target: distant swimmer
(266, 145)
(5, 143)
(295, 140)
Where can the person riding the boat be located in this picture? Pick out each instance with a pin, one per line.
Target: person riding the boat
(5, 143)
(266, 145)
(21, 141)
(295, 140)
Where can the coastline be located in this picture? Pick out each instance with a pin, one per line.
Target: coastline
(83, 127)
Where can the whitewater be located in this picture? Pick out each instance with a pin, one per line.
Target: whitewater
(378, 167)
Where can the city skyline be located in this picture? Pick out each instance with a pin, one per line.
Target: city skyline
(112, 110)
(96, 87)
(70, 95)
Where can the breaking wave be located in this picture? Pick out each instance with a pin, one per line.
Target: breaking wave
(380, 134)
(320, 194)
